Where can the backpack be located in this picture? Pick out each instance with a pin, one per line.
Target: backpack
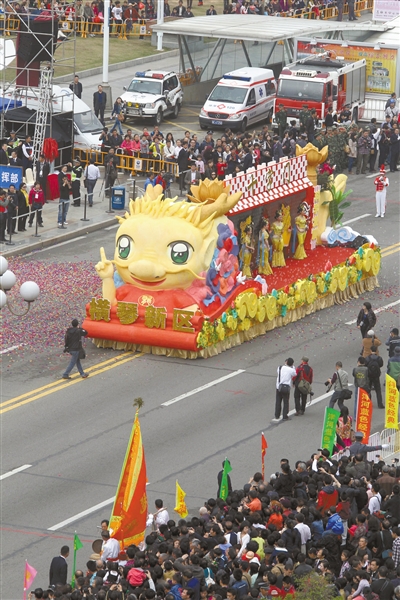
(304, 386)
(374, 370)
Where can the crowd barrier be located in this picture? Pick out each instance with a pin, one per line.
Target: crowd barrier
(129, 164)
(391, 437)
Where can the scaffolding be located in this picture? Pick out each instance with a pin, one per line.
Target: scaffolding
(33, 52)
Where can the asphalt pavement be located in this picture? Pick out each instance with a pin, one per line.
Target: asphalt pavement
(63, 442)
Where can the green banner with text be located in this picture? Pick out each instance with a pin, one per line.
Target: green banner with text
(329, 428)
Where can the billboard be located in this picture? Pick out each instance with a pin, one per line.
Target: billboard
(381, 64)
(386, 10)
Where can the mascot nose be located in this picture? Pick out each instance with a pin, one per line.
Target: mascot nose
(146, 270)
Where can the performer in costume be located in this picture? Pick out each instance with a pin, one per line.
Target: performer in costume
(301, 228)
(381, 183)
(264, 267)
(278, 259)
(246, 252)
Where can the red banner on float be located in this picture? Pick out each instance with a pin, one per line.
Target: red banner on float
(364, 414)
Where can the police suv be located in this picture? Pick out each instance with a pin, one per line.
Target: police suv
(153, 95)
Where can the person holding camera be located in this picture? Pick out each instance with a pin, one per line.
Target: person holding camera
(381, 183)
(340, 384)
(286, 374)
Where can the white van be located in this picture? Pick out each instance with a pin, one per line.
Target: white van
(239, 99)
(87, 127)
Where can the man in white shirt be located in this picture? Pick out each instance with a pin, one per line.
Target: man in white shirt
(110, 549)
(177, 149)
(374, 503)
(192, 177)
(304, 530)
(160, 517)
(286, 373)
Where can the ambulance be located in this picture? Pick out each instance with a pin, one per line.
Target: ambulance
(239, 99)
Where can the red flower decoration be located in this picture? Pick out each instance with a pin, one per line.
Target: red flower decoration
(228, 244)
(372, 245)
(328, 266)
(352, 260)
(286, 289)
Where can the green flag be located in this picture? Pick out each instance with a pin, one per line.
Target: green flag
(329, 428)
(77, 546)
(223, 490)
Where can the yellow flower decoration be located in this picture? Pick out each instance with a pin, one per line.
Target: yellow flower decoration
(291, 303)
(208, 191)
(376, 263)
(261, 309)
(353, 274)
(282, 298)
(311, 292)
(320, 285)
(271, 308)
(367, 260)
(343, 272)
(231, 322)
(220, 329)
(333, 285)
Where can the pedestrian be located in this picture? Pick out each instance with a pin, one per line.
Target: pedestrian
(369, 341)
(277, 150)
(150, 180)
(302, 385)
(12, 210)
(360, 374)
(183, 165)
(344, 426)
(92, 174)
(340, 383)
(381, 183)
(111, 171)
(393, 341)
(36, 202)
(110, 548)
(393, 366)
(374, 364)
(3, 214)
(59, 568)
(99, 103)
(352, 152)
(281, 119)
(117, 112)
(310, 125)
(366, 319)
(27, 154)
(63, 203)
(42, 172)
(339, 6)
(329, 117)
(286, 373)
(73, 345)
(76, 174)
(363, 152)
(358, 447)
(394, 149)
(23, 206)
(352, 16)
(76, 87)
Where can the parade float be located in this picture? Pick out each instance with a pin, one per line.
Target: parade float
(239, 258)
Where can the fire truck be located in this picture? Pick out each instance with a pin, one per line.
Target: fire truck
(321, 81)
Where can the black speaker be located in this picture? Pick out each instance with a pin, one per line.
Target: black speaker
(37, 39)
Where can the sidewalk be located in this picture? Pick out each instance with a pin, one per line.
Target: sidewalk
(98, 218)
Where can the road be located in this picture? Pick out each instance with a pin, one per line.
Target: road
(63, 442)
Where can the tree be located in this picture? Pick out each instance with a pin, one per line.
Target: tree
(314, 587)
(337, 205)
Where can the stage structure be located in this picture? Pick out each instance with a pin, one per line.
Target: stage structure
(37, 46)
(242, 257)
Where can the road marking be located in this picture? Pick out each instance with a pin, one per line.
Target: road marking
(397, 245)
(315, 401)
(203, 387)
(391, 252)
(112, 227)
(82, 514)
(11, 348)
(378, 310)
(14, 471)
(81, 237)
(356, 218)
(373, 175)
(57, 386)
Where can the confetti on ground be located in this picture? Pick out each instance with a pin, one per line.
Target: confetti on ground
(65, 288)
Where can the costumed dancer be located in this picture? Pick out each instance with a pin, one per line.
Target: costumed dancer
(381, 183)
(264, 267)
(246, 252)
(278, 259)
(301, 228)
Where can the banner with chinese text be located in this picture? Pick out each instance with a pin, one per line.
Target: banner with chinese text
(381, 63)
(391, 404)
(364, 413)
(386, 10)
(329, 428)
(10, 176)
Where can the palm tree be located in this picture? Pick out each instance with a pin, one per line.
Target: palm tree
(337, 205)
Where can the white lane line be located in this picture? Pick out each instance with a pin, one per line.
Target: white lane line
(14, 471)
(82, 514)
(112, 227)
(315, 401)
(10, 349)
(203, 387)
(378, 310)
(81, 237)
(373, 175)
(356, 218)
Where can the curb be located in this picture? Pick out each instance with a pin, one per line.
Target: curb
(55, 240)
(117, 66)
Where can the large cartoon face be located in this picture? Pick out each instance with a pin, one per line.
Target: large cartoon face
(163, 253)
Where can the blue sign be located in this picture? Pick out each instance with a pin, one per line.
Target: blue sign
(10, 176)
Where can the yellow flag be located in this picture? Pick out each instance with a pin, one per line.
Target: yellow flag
(180, 507)
(391, 404)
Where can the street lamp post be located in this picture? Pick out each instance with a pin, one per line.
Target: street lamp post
(29, 290)
(106, 54)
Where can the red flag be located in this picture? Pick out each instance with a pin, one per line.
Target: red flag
(264, 446)
(364, 414)
(129, 513)
(29, 576)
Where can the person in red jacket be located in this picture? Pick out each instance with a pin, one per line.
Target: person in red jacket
(303, 371)
(328, 496)
(36, 202)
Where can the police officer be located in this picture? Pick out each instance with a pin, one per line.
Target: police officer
(76, 174)
(303, 116)
(358, 447)
(345, 114)
(281, 119)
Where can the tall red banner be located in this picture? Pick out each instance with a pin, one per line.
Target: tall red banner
(364, 414)
(264, 447)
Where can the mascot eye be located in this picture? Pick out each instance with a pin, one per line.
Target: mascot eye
(124, 246)
(180, 252)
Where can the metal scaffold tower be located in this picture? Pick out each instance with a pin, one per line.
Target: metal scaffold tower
(44, 109)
